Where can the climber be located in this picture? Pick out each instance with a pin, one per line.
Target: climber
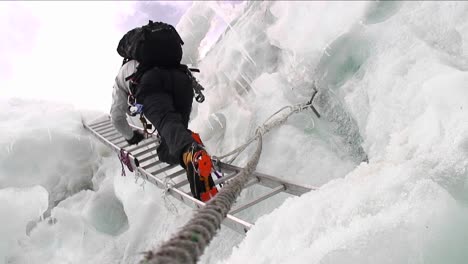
(163, 89)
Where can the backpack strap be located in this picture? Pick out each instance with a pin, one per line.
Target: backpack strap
(135, 77)
(141, 69)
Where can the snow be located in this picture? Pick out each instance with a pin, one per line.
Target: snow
(391, 80)
(32, 201)
(193, 27)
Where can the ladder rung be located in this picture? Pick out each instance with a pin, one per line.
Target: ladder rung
(146, 159)
(122, 144)
(111, 128)
(225, 178)
(152, 164)
(104, 128)
(185, 181)
(144, 152)
(180, 184)
(143, 144)
(175, 174)
(114, 137)
(111, 133)
(120, 140)
(273, 182)
(163, 169)
(100, 124)
(136, 149)
(259, 199)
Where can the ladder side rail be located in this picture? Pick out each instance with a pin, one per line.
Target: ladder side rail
(108, 143)
(261, 198)
(273, 182)
(231, 221)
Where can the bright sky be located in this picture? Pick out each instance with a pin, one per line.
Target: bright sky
(66, 51)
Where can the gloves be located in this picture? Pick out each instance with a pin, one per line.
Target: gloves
(137, 137)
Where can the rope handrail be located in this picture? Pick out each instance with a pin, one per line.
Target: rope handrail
(267, 127)
(190, 242)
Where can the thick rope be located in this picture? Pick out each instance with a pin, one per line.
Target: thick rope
(190, 242)
(188, 245)
(265, 128)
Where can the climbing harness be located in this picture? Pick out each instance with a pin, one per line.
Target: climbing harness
(135, 109)
(197, 87)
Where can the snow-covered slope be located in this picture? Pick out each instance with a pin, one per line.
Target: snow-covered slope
(392, 81)
(391, 75)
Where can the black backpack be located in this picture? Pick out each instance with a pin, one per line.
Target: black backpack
(155, 44)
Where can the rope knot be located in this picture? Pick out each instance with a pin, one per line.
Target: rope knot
(260, 131)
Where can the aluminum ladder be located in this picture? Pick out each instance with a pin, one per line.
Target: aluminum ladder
(143, 157)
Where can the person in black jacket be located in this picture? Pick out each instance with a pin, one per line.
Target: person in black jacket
(167, 96)
(165, 89)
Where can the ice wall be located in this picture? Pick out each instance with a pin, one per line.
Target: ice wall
(193, 27)
(392, 84)
(398, 71)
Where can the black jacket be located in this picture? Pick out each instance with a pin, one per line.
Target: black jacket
(167, 96)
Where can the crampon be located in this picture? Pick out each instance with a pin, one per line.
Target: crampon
(199, 169)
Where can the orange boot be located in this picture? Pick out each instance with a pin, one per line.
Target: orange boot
(198, 167)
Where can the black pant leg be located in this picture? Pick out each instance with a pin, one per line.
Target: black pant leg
(165, 156)
(167, 97)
